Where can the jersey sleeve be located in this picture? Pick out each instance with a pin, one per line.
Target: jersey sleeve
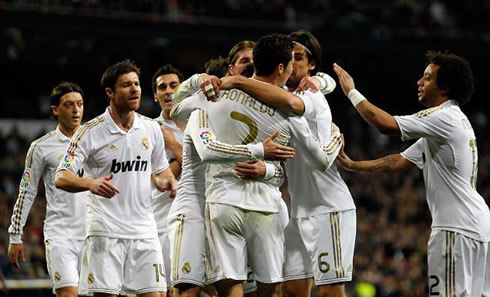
(321, 156)
(78, 151)
(182, 110)
(159, 160)
(274, 174)
(210, 149)
(187, 88)
(415, 153)
(328, 84)
(308, 102)
(430, 123)
(34, 168)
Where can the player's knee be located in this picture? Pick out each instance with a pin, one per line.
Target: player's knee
(67, 292)
(186, 290)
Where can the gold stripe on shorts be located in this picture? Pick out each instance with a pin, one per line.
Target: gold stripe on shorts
(336, 244)
(178, 245)
(450, 274)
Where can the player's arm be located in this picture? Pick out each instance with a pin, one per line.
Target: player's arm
(319, 82)
(165, 181)
(268, 172)
(375, 116)
(320, 156)
(34, 167)
(273, 95)
(211, 150)
(173, 145)
(68, 181)
(209, 84)
(391, 163)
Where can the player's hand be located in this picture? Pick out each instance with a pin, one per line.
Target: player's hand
(210, 86)
(276, 152)
(15, 251)
(309, 83)
(164, 184)
(345, 80)
(102, 186)
(254, 170)
(342, 159)
(229, 82)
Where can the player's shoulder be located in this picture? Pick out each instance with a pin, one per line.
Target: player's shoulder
(95, 122)
(39, 142)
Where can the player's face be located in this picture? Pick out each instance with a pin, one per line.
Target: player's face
(301, 66)
(70, 110)
(165, 90)
(428, 91)
(127, 92)
(286, 73)
(245, 59)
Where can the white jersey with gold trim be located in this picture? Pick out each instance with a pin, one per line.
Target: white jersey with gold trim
(446, 151)
(132, 156)
(65, 212)
(314, 191)
(161, 201)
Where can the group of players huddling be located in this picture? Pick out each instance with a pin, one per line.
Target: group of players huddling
(119, 223)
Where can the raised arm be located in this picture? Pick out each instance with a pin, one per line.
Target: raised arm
(281, 99)
(375, 116)
(390, 163)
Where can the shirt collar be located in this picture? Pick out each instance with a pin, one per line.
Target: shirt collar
(62, 137)
(113, 128)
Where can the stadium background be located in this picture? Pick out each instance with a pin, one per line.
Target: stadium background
(381, 43)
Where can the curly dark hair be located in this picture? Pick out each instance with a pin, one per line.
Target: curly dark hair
(270, 51)
(314, 52)
(165, 69)
(454, 74)
(113, 72)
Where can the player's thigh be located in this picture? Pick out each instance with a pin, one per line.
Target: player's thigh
(455, 264)
(265, 246)
(144, 270)
(297, 261)
(63, 258)
(187, 250)
(103, 265)
(226, 248)
(330, 240)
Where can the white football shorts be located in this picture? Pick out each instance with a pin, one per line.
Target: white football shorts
(322, 247)
(122, 266)
(64, 260)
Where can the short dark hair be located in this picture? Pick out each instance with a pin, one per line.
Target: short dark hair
(165, 69)
(242, 45)
(63, 88)
(216, 66)
(455, 74)
(270, 51)
(314, 50)
(113, 72)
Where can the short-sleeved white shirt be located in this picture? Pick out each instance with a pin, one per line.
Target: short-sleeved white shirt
(446, 151)
(133, 156)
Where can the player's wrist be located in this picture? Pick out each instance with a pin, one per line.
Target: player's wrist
(355, 97)
(15, 238)
(270, 171)
(256, 150)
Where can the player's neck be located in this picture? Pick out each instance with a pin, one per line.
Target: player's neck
(123, 118)
(68, 132)
(268, 79)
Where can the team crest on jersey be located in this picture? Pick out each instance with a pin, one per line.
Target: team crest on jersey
(26, 178)
(145, 143)
(90, 278)
(57, 276)
(206, 137)
(186, 268)
(112, 148)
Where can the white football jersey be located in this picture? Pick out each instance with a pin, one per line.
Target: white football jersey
(132, 156)
(314, 191)
(446, 151)
(161, 201)
(65, 212)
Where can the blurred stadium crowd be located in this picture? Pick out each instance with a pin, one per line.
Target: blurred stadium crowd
(393, 218)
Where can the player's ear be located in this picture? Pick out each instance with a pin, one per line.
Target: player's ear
(230, 70)
(54, 110)
(280, 68)
(312, 66)
(109, 92)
